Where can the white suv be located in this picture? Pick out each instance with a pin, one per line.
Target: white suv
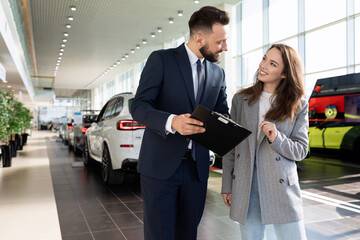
(114, 139)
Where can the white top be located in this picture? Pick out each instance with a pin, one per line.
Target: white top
(264, 106)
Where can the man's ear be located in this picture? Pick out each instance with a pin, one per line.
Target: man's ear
(199, 40)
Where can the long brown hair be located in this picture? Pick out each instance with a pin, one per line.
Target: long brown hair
(289, 91)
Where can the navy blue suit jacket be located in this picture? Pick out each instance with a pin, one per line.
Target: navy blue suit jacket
(166, 87)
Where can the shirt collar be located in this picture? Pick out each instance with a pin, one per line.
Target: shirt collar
(192, 57)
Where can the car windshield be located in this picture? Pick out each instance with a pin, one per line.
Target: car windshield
(89, 118)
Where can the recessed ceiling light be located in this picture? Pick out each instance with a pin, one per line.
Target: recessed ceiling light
(123, 58)
(61, 54)
(196, 1)
(137, 46)
(111, 67)
(118, 62)
(144, 41)
(68, 25)
(73, 8)
(58, 61)
(126, 55)
(61, 49)
(171, 20)
(132, 50)
(70, 18)
(180, 13)
(152, 35)
(59, 58)
(159, 29)
(66, 34)
(62, 45)
(64, 40)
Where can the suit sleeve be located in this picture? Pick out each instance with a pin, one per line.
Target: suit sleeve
(229, 159)
(221, 103)
(294, 147)
(143, 108)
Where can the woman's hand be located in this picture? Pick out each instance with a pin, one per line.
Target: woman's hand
(227, 198)
(269, 130)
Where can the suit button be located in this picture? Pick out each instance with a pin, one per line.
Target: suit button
(281, 180)
(238, 155)
(277, 158)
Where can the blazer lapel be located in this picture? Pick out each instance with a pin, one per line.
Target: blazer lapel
(185, 68)
(251, 113)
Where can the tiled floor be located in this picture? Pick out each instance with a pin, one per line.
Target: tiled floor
(87, 209)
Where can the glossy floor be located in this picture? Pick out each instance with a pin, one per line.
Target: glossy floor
(44, 195)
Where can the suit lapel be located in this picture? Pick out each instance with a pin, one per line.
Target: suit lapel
(252, 118)
(185, 68)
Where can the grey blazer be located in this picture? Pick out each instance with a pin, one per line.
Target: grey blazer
(279, 189)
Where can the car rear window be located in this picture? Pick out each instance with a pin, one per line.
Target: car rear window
(89, 118)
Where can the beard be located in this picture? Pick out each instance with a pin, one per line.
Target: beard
(207, 54)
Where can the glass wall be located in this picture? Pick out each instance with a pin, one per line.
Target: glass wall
(125, 81)
(324, 37)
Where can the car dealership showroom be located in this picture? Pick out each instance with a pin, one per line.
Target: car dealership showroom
(73, 73)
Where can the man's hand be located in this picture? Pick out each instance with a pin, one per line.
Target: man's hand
(185, 125)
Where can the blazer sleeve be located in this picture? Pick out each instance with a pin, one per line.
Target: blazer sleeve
(143, 108)
(229, 159)
(294, 147)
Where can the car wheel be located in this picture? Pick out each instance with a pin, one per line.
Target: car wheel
(87, 158)
(108, 174)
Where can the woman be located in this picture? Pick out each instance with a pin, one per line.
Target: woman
(260, 182)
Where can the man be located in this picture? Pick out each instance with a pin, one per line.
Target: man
(174, 170)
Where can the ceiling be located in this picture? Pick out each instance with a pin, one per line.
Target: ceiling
(102, 32)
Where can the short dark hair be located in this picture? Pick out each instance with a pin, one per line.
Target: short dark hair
(205, 18)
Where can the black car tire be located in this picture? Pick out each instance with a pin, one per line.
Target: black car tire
(108, 174)
(87, 158)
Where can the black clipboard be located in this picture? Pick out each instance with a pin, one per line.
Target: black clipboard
(222, 134)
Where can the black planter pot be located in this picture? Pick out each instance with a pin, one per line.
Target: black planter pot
(24, 138)
(6, 156)
(18, 141)
(13, 148)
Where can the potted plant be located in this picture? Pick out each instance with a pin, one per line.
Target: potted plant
(4, 130)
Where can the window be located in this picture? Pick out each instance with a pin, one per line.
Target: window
(250, 66)
(125, 81)
(321, 12)
(283, 19)
(252, 27)
(110, 89)
(326, 48)
(118, 106)
(357, 40)
(109, 111)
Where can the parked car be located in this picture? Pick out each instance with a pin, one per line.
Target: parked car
(77, 133)
(114, 139)
(66, 129)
